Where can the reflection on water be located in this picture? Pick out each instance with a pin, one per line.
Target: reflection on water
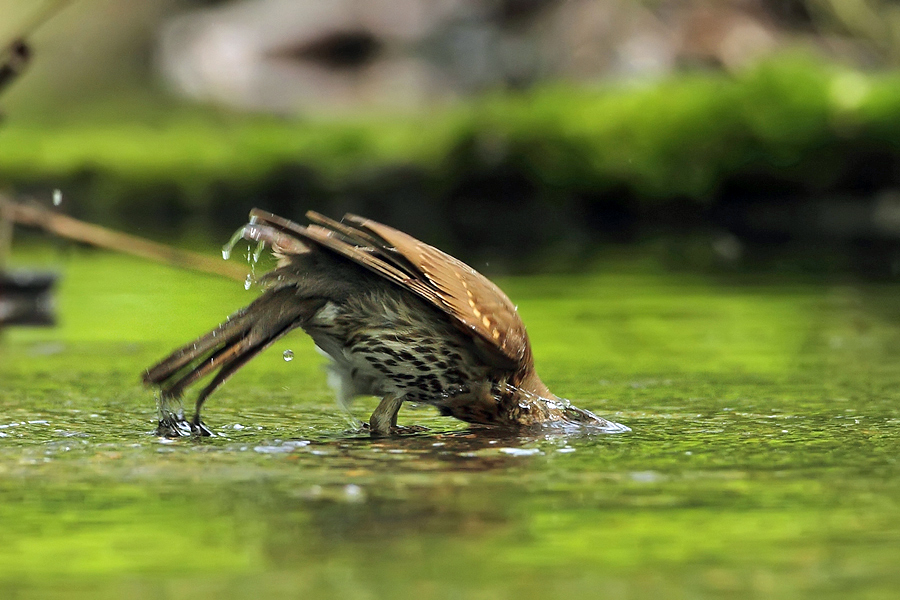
(323, 510)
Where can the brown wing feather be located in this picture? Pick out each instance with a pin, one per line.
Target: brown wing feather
(366, 238)
(475, 304)
(465, 294)
(332, 240)
(367, 256)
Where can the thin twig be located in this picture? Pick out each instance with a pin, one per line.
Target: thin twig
(35, 215)
(44, 13)
(15, 54)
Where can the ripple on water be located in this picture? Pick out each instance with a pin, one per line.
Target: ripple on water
(521, 451)
(281, 448)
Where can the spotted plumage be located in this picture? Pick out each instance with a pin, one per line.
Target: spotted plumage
(397, 318)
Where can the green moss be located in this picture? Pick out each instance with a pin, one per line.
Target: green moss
(680, 137)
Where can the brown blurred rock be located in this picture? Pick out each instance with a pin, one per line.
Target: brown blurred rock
(288, 56)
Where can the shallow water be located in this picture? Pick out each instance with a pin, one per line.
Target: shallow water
(762, 462)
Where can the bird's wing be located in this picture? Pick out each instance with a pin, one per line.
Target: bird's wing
(474, 303)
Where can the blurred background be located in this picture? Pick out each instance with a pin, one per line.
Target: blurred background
(520, 134)
(704, 196)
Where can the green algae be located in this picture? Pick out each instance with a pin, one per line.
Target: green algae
(762, 461)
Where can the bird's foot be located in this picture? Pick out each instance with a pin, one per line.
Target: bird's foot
(395, 430)
(172, 423)
(175, 426)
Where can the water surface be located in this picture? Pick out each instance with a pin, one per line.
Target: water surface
(762, 462)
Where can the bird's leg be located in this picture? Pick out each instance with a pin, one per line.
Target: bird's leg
(384, 419)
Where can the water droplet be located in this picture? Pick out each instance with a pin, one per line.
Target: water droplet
(288, 355)
(57, 197)
(248, 282)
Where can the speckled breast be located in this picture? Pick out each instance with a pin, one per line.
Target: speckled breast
(415, 364)
(389, 342)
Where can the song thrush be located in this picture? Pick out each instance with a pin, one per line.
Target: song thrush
(399, 319)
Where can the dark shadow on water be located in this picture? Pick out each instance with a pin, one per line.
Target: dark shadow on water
(472, 449)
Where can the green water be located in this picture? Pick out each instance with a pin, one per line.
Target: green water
(763, 461)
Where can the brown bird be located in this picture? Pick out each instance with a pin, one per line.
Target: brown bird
(399, 319)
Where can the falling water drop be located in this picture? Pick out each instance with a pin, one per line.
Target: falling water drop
(57, 197)
(288, 355)
(248, 282)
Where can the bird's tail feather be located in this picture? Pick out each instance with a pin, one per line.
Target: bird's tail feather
(226, 349)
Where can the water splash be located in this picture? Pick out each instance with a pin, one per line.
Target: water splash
(260, 246)
(227, 248)
(247, 232)
(253, 258)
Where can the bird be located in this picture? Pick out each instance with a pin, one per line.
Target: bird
(397, 319)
